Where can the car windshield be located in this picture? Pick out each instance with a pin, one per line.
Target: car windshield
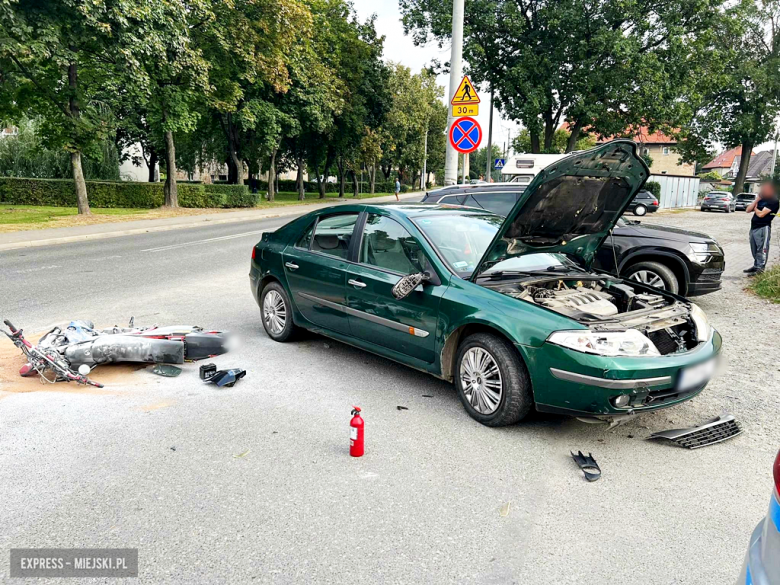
(462, 240)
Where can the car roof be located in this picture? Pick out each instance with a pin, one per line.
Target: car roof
(479, 188)
(418, 209)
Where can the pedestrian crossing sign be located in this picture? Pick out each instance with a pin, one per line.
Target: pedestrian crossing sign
(499, 163)
(466, 93)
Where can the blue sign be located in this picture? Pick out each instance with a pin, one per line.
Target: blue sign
(499, 163)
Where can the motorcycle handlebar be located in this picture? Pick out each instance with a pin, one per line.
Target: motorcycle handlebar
(10, 325)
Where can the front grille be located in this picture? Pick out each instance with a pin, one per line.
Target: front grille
(663, 341)
(711, 275)
(713, 431)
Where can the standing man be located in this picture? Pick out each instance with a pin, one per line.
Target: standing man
(764, 210)
(397, 188)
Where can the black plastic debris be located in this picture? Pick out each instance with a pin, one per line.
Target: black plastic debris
(207, 370)
(166, 371)
(227, 378)
(588, 465)
(401, 408)
(427, 395)
(713, 431)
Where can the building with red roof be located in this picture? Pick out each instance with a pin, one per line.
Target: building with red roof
(726, 164)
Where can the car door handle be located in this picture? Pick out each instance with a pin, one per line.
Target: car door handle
(356, 283)
(291, 266)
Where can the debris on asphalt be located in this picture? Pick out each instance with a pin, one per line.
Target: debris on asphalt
(226, 378)
(241, 455)
(712, 431)
(504, 511)
(588, 465)
(401, 408)
(166, 371)
(427, 395)
(173, 448)
(207, 370)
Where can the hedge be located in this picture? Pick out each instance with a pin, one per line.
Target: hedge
(61, 193)
(654, 188)
(311, 186)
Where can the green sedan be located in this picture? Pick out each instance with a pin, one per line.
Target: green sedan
(506, 309)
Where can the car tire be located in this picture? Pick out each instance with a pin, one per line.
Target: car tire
(649, 272)
(515, 398)
(277, 315)
(640, 210)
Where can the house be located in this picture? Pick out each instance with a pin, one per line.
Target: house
(725, 164)
(759, 170)
(660, 148)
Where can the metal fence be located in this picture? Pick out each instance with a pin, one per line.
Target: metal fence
(677, 190)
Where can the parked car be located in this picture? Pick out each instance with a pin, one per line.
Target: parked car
(743, 200)
(680, 261)
(719, 201)
(643, 202)
(762, 561)
(507, 309)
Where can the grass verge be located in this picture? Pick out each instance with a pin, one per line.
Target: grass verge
(767, 284)
(16, 218)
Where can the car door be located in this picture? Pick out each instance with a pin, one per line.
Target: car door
(385, 253)
(316, 270)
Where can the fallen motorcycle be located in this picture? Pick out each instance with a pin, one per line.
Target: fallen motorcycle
(80, 345)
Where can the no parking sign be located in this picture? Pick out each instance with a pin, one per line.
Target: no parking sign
(465, 135)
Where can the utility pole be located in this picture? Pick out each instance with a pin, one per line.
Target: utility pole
(489, 169)
(425, 160)
(456, 72)
(774, 158)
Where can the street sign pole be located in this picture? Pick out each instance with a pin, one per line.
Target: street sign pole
(456, 72)
(425, 160)
(489, 157)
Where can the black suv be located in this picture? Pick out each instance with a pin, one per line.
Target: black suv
(643, 202)
(680, 261)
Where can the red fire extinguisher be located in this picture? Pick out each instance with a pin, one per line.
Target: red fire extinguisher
(356, 427)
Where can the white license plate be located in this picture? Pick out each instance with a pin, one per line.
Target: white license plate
(696, 375)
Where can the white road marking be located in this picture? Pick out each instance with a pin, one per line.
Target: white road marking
(37, 269)
(208, 241)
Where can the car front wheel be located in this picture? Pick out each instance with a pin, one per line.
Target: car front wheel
(640, 210)
(276, 312)
(654, 274)
(492, 380)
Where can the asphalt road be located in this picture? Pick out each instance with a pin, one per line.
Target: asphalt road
(152, 463)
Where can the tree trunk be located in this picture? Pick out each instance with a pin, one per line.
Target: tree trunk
(355, 189)
(81, 184)
(372, 178)
(152, 164)
(75, 157)
(320, 185)
(535, 149)
(342, 176)
(272, 176)
(571, 144)
(744, 163)
(386, 171)
(299, 181)
(233, 150)
(171, 190)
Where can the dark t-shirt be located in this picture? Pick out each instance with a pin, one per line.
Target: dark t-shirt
(759, 222)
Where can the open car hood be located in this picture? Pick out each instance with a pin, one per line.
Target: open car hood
(571, 205)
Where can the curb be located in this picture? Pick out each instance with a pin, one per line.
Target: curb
(152, 229)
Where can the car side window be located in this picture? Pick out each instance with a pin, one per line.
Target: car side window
(500, 203)
(387, 245)
(305, 240)
(333, 233)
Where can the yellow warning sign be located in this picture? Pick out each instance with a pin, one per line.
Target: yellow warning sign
(466, 93)
(465, 110)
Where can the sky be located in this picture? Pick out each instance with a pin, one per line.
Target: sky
(400, 48)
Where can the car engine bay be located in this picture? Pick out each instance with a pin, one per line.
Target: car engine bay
(607, 305)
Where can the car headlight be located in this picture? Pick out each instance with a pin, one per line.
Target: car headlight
(702, 252)
(629, 343)
(703, 327)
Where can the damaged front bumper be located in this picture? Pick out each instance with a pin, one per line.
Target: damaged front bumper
(575, 383)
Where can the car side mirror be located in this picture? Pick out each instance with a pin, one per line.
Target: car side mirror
(404, 287)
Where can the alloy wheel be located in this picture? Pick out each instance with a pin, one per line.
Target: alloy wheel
(481, 380)
(648, 277)
(274, 312)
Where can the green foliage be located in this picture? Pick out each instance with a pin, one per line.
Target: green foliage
(560, 139)
(654, 188)
(647, 158)
(767, 284)
(711, 176)
(60, 193)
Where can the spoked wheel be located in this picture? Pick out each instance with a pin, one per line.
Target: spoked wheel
(276, 312)
(648, 277)
(654, 274)
(492, 380)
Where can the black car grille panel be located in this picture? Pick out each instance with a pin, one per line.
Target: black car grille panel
(713, 431)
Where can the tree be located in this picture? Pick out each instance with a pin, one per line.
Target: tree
(597, 65)
(741, 100)
(559, 144)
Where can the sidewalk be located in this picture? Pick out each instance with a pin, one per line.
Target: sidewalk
(48, 237)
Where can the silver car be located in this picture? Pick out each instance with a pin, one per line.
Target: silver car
(762, 561)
